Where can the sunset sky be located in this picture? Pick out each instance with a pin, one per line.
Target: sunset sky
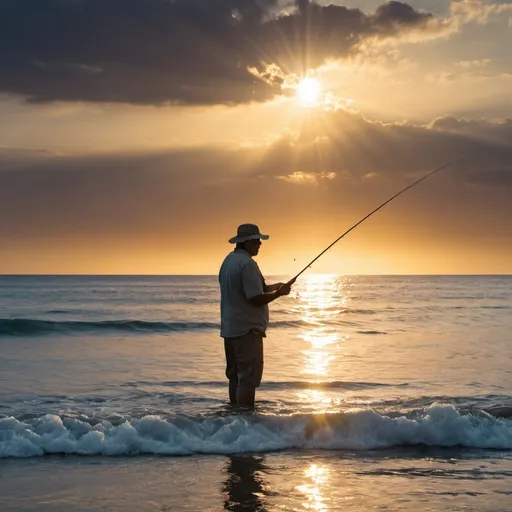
(135, 135)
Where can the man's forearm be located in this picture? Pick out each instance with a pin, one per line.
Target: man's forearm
(273, 287)
(265, 298)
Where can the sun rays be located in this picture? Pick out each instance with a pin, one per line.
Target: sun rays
(308, 92)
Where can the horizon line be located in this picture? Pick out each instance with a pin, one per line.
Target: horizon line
(269, 274)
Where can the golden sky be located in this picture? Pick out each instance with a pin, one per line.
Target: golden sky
(137, 135)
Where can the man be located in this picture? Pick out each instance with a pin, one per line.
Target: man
(244, 314)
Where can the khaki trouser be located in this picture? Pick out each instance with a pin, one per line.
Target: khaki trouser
(244, 359)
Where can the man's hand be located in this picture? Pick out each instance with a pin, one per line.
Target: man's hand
(285, 288)
(273, 292)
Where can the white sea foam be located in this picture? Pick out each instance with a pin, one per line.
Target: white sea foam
(439, 425)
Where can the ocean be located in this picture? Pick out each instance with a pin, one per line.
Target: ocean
(379, 393)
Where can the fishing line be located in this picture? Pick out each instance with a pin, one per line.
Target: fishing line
(375, 211)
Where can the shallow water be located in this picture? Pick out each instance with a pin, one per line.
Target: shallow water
(378, 392)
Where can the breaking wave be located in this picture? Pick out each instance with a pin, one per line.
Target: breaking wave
(439, 425)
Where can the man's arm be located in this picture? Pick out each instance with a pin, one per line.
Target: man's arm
(276, 286)
(279, 290)
(265, 298)
(273, 287)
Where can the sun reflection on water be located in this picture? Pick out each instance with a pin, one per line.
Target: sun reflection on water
(316, 397)
(318, 476)
(321, 299)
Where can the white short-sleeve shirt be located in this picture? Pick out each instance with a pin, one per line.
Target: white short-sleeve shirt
(240, 280)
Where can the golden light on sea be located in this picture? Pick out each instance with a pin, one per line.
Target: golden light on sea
(320, 301)
(317, 476)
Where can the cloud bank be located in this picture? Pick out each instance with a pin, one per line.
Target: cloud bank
(184, 51)
(344, 159)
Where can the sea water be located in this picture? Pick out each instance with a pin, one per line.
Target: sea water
(379, 393)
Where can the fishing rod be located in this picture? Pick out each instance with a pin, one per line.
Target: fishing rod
(449, 164)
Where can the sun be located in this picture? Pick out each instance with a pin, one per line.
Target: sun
(308, 91)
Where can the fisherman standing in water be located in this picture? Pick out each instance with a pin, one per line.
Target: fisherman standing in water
(244, 314)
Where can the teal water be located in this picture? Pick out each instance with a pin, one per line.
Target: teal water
(378, 392)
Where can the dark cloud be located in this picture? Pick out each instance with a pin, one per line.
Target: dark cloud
(493, 131)
(185, 51)
(348, 144)
(493, 177)
(109, 194)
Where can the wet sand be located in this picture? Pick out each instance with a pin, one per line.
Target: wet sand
(419, 478)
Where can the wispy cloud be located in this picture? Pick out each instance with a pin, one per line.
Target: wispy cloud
(468, 75)
(473, 64)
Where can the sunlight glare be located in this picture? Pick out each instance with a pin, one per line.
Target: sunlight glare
(308, 91)
(321, 299)
(318, 477)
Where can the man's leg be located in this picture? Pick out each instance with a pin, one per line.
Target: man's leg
(231, 370)
(245, 397)
(249, 361)
(233, 392)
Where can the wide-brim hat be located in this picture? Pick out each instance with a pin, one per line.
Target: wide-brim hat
(247, 232)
